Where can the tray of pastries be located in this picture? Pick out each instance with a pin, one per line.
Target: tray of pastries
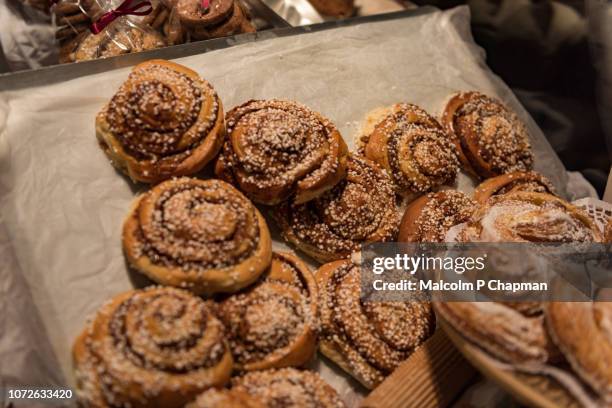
(185, 233)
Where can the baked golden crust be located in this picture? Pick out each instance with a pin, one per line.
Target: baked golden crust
(158, 347)
(358, 210)
(288, 387)
(368, 340)
(608, 232)
(216, 398)
(103, 45)
(429, 217)
(583, 332)
(414, 149)
(529, 181)
(529, 217)
(490, 138)
(201, 235)
(501, 330)
(274, 323)
(164, 121)
(278, 149)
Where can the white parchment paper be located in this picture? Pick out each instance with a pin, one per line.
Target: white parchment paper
(62, 204)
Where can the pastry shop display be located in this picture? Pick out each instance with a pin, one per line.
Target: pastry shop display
(414, 149)
(582, 331)
(429, 217)
(368, 340)
(334, 8)
(158, 347)
(288, 388)
(274, 323)
(201, 235)
(505, 332)
(529, 181)
(360, 209)
(224, 398)
(164, 121)
(529, 217)
(490, 138)
(219, 18)
(276, 150)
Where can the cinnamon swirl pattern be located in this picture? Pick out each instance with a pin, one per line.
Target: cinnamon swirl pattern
(221, 18)
(158, 347)
(201, 235)
(274, 324)
(288, 388)
(428, 218)
(529, 181)
(276, 149)
(368, 340)
(583, 332)
(491, 139)
(412, 146)
(164, 121)
(360, 209)
(529, 217)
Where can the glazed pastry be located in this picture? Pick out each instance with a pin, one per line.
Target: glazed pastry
(368, 340)
(201, 235)
(222, 398)
(529, 181)
(490, 138)
(412, 146)
(428, 218)
(158, 347)
(288, 388)
(334, 8)
(164, 121)
(501, 330)
(529, 217)
(583, 332)
(276, 149)
(221, 18)
(360, 209)
(274, 323)
(110, 43)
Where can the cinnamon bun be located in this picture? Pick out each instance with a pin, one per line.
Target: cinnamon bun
(368, 340)
(583, 332)
(201, 235)
(274, 323)
(414, 148)
(490, 138)
(220, 19)
(334, 8)
(428, 218)
(216, 398)
(288, 388)
(276, 149)
(358, 210)
(158, 347)
(529, 181)
(529, 217)
(164, 121)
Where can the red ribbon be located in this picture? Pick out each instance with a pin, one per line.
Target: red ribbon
(126, 8)
(205, 4)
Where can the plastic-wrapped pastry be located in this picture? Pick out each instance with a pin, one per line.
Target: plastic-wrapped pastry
(221, 18)
(414, 148)
(583, 332)
(288, 388)
(491, 139)
(608, 232)
(152, 348)
(429, 217)
(370, 339)
(278, 149)
(201, 235)
(529, 181)
(360, 209)
(274, 323)
(164, 121)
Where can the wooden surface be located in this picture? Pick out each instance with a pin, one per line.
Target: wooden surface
(432, 377)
